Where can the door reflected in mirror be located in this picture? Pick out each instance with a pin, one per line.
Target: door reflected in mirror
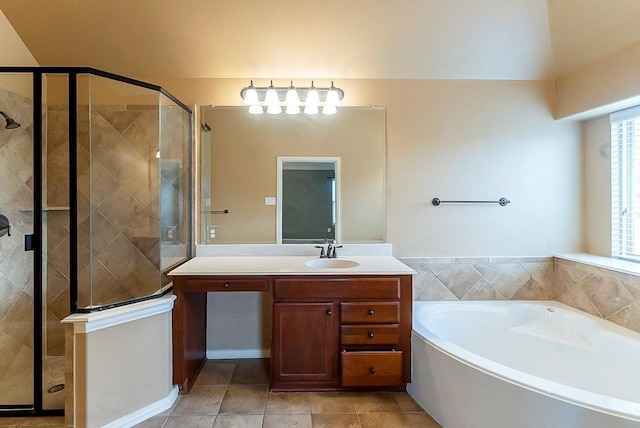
(308, 202)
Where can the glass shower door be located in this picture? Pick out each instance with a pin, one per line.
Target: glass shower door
(56, 270)
(16, 265)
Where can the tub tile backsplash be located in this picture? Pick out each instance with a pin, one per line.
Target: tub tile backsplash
(612, 295)
(628, 317)
(459, 278)
(605, 293)
(483, 278)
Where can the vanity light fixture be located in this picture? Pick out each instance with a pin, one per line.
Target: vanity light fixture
(312, 101)
(331, 101)
(251, 95)
(273, 98)
(292, 101)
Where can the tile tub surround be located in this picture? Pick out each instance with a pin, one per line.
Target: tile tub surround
(483, 278)
(611, 294)
(584, 282)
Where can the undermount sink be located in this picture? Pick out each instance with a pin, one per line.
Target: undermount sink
(331, 263)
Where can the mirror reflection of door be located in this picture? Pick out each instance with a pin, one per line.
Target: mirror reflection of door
(308, 200)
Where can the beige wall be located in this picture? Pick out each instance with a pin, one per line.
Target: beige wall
(462, 139)
(592, 92)
(597, 184)
(125, 368)
(13, 51)
(611, 83)
(248, 316)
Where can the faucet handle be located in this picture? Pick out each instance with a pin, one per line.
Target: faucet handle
(334, 254)
(322, 254)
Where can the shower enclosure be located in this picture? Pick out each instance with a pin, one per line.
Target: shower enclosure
(95, 174)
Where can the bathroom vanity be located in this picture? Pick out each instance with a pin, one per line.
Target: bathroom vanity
(333, 327)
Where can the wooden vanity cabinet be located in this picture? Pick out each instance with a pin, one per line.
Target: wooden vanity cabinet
(305, 334)
(330, 332)
(335, 332)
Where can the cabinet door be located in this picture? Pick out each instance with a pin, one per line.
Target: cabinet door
(304, 342)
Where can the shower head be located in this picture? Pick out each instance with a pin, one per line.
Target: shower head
(11, 124)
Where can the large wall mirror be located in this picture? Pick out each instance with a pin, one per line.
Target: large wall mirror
(254, 170)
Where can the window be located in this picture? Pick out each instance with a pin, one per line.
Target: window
(625, 184)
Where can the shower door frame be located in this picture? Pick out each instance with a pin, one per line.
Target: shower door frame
(38, 327)
(38, 300)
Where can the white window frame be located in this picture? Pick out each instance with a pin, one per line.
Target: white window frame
(625, 184)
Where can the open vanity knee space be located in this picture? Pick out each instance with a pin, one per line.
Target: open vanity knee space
(333, 328)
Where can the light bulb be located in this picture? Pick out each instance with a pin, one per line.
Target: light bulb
(256, 109)
(292, 100)
(271, 98)
(312, 101)
(274, 109)
(311, 109)
(332, 96)
(158, 154)
(292, 109)
(329, 109)
(251, 96)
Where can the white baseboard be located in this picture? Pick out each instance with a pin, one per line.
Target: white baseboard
(146, 412)
(228, 354)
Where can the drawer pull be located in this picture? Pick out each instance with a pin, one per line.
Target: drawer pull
(370, 312)
(370, 335)
(372, 370)
(226, 285)
(329, 312)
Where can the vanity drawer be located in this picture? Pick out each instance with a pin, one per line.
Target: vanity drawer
(369, 334)
(337, 288)
(227, 284)
(370, 312)
(371, 368)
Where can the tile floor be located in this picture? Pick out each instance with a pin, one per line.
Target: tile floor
(235, 393)
(44, 422)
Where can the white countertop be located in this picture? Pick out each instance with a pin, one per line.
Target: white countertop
(289, 265)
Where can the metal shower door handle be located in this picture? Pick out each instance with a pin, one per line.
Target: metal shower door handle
(5, 227)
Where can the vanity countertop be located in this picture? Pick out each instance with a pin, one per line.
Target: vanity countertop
(289, 265)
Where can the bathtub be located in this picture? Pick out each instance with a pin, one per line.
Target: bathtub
(523, 364)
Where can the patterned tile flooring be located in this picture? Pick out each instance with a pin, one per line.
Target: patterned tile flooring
(44, 422)
(235, 394)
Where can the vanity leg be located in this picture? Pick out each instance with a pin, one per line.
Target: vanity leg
(189, 335)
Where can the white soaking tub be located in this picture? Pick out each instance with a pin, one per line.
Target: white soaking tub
(503, 364)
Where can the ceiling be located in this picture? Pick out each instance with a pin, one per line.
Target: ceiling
(382, 39)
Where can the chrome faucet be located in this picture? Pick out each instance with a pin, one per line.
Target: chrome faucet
(330, 252)
(333, 254)
(324, 253)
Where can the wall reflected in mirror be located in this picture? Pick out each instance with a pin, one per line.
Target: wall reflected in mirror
(239, 173)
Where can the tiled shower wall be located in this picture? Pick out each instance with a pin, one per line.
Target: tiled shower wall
(16, 271)
(124, 190)
(605, 293)
(120, 190)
